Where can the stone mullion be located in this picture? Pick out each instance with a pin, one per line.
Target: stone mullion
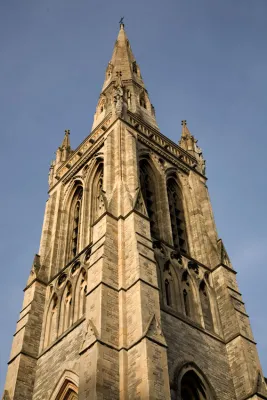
(85, 220)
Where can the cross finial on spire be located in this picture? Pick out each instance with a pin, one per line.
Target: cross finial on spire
(67, 132)
(183, 122)
(121, 22)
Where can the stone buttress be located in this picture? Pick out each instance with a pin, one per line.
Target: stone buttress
(132, 295)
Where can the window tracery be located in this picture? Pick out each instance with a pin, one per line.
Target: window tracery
(75, 222)
(176, 215)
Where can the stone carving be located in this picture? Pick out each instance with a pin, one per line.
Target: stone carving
(119, 97)
(194, 266)
(109, 70)
(176, 255)
(61, 279)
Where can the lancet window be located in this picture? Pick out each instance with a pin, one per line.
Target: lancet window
(98, 201)
(65, 309)
(147, 182)
(167, 285)
(205, 304)
(176, 215)
(187, 295)
(142, 100)
(80, 295)
(134, 67)
(51, 321)
(75, 222)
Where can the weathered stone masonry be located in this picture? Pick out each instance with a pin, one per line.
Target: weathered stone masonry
(132, 295)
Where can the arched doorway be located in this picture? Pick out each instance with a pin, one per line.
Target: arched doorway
(68, 391)
(192, 388)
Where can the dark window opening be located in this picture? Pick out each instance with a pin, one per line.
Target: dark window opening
(177, 216)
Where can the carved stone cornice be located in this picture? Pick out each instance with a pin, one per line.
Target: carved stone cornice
(157, 149)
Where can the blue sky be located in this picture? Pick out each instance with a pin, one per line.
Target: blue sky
(204, 61)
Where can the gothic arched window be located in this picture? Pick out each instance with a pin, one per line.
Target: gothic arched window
(80, 296)
(168, 295)
(98, 202)
(142, 100)
(176, 215)
(65, 319)
(51, 321)
(148, 191)
(75, 222)
(187, 295)
(205, 305)
(192, 387)
(134, 67)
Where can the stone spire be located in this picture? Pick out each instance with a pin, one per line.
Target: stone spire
(122, 61)
(123, 87)
(189, 143)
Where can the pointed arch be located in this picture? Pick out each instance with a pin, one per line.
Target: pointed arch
(51, 321)
(74, 222)
(170, 286)
(80, 295)
(67, 387)
(142, 99)
(187, 295)
(205, 306)
(190, 383)
(175, 201)
(66, 304)
(148, 188)
(98, 206)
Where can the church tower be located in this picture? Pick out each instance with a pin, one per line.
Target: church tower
(132, 295)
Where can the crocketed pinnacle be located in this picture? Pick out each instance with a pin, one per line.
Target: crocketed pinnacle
(66, 141)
